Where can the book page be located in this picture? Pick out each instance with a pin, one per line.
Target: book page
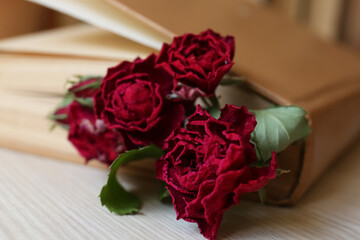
(114, 19)
(81, 40)
(30, 89)
(45, 75)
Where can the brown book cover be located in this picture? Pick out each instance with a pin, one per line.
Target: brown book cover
(351, 23)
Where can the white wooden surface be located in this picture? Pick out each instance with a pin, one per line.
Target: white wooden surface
(43, 198)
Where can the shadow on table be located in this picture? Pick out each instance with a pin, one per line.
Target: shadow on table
(331, 207)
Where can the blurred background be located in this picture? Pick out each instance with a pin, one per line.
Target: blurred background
(332, 20)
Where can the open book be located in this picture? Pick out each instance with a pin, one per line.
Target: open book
(282, 62)
(115, 17)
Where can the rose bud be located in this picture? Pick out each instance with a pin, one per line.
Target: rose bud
(86, 88)
(60, 116)
(207, 166)
(91, 137)
(82, 91)
(134, 101)
(199, 61)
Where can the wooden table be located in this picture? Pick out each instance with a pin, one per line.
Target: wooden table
(43, 198)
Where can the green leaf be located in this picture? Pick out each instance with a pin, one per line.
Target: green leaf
(113, 195)
(262, 195)
(259, 164)
(94, 85)
(232, 80)
(214, 102)
(258, 155)
(213, 106)
(164, 193)
(68, 98)
(214, 112)
(205, 100)
(58, 116)
(55, 124)
(83, 78)
(277, 128)
(87, 102)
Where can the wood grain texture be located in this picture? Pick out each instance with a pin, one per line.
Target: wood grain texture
(46, 199)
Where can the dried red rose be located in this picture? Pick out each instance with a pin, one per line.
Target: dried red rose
(81, 91)
(91, 137)
(134, 100)
(199, 61)
(207, 166)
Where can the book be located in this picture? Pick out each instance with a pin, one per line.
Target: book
(283, 62)
(351, 28)
(325, 18)
(80, 40)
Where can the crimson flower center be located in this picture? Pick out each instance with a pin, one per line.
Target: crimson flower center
(137, 100)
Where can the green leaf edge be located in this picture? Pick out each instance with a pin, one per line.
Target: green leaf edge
(164, 193)
(112, 194)
(262, 195)
(87, 102)
(307, 131)
(95, 85)
(232, 80)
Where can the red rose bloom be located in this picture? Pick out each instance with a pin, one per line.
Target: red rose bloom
(199, 61)
(207, 166)
(91, 137)
(134, 100)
